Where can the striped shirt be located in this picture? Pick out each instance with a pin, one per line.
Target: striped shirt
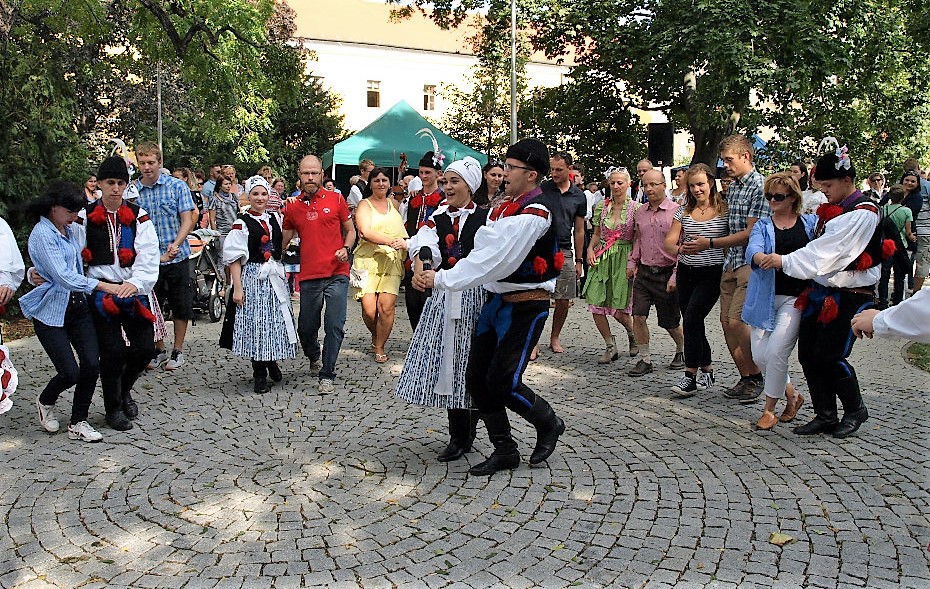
(57, 259)
(165, 201)
(226, 207)
(922, 220)
(711, 228)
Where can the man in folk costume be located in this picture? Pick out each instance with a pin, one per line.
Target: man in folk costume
(844, 261)
(516, 257)
(417, 211)
(121, 247)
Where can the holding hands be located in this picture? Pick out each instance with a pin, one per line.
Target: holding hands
(424, 280)
(767, 261)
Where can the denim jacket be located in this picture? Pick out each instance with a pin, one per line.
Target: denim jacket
(759, 308)
(57, 258)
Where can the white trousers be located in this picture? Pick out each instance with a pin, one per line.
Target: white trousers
(771, 349)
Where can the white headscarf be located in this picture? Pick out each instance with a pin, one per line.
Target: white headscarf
(470, 171)
(256, 181)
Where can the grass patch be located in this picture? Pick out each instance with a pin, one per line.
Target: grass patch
(919, 356)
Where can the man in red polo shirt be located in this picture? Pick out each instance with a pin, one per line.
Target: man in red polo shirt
(321, 220)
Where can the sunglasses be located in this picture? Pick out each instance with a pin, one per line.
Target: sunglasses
(777, 197)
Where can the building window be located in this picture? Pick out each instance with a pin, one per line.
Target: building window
(429, 97)
(374, 93)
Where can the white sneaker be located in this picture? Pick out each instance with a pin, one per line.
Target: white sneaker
(326, 386)
(176, 360)
(84, 431)
(159, 359)
(47, 416)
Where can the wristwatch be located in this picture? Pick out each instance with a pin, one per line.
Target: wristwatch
(347, 249)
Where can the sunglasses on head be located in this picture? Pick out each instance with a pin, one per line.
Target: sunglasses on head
(777, 197)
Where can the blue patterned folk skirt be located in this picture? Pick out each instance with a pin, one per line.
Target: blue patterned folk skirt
(259, 331)
(434, 369)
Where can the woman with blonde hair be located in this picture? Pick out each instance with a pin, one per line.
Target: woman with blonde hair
(704, 214)
(770, 296)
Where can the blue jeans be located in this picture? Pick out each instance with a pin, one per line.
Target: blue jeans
(333, 291)
(78, 333)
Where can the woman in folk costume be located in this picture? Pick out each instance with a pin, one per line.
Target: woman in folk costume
(843, 260)
(12, 271)
(121, 247)
(607, 288)
(434, 370)
(260, 325)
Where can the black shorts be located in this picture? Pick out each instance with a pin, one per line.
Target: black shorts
(649, 288)
(175, 286)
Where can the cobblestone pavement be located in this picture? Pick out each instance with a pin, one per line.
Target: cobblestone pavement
(217, 487)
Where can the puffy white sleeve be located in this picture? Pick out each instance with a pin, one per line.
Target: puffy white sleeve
(12, 268)
(427, 236)
(236, 244)
(909, 319)
(499, 250)
(145, 267)
(844, 238)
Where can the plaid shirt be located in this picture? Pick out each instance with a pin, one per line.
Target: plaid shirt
(745, 199)
(165, 201)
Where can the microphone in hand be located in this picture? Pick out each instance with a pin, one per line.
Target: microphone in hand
(426, 257)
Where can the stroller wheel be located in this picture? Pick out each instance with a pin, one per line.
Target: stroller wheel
(215, 307)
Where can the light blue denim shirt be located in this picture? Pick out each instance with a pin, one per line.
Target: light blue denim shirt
(759, 308)
(57, 258)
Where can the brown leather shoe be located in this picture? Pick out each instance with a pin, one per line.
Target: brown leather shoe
(766, 422)
(791, 409)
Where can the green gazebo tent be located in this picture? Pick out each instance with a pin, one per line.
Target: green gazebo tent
(400, 130)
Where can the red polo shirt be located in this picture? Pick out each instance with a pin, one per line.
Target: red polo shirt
(318, 220)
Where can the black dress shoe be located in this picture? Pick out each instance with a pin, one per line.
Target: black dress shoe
(118, 420)
(130, 408)
(496, 462)
(850, 423)
(454, 451)
(274, 372)
(261, 386)
(818, 425)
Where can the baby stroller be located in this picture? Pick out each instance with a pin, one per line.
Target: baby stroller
(208, 275)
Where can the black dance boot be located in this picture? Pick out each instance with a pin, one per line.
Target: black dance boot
(505, 455)
(461, 435)
(260, 373)
(824, 403)
(854, 411)
(274, 371)
(130, 408)
(548, 429)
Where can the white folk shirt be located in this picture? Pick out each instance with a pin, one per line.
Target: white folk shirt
(500, 247)
(825, 258)
(908, 319)
(12, 268)
(143, 273)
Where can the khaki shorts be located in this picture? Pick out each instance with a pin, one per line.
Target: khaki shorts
(566, 285)
(733, 293)
(923, 256)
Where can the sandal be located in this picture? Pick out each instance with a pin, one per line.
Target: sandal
(381, 358)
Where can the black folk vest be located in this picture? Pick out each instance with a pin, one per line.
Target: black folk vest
(544, 250)
(99, 242)
(475, 220)
(874, 249)
(256, 231)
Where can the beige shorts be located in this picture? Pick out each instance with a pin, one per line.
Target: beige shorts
(733, 293)
(566, 285)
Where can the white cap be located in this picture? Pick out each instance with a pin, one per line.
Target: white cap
(469, 169)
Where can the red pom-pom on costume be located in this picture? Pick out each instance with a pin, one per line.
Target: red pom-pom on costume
(265, 239)
(452, 260)
(109, 306)
(450, 239)
(125, 215)
(829, 310)
(142, 311)
(417, 201)
(433, 200)
(864, 262)
(803, 300)
(5, 380)
(267, 256)
(86, 255)
(558, 261)
(97, 216)
(125, 255)
(828, 211)
(888, 248)
(539, 266)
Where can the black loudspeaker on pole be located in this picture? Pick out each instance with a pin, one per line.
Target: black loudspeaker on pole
(660, 143)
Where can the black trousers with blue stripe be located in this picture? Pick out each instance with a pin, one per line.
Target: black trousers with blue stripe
(823, 349)
(504, 337)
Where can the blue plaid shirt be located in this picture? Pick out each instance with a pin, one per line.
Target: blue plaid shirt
(165, 201)
(744, 200)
